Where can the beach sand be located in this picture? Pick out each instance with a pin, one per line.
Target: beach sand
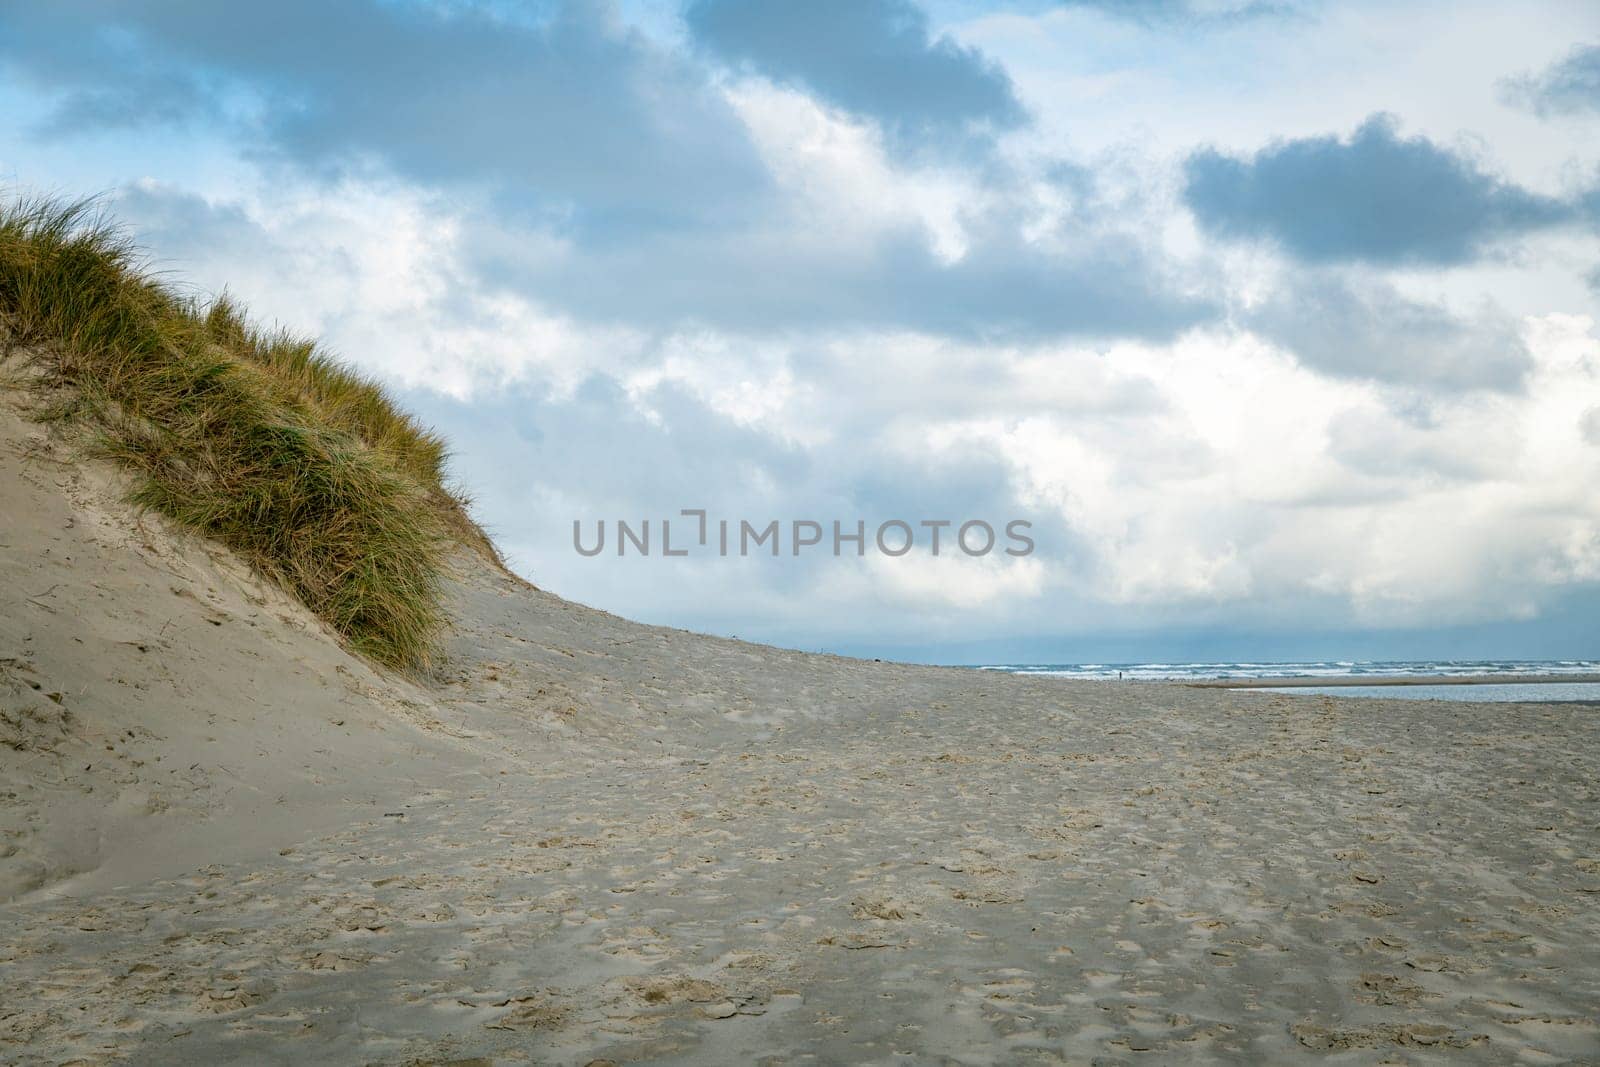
(588, 841)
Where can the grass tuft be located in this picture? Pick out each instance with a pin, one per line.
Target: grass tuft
(255, 438)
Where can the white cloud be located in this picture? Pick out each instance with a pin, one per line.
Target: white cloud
(842, 185)
(374, 269)
(1256, 479)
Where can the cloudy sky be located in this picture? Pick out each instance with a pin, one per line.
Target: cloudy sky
(1278, 320)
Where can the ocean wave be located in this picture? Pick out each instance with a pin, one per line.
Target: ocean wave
(1162, 671)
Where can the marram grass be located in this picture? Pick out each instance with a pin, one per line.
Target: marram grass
(257, 439)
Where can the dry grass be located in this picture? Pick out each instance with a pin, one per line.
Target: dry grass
(257, 439)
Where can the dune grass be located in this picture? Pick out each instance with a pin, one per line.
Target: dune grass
(255, 438)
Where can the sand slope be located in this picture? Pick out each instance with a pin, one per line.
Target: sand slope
(159, 705)
(589, 840)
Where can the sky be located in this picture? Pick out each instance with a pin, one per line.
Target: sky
(1277, 321)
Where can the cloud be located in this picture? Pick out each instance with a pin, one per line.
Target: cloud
(1570, 86)
(1355, 326)
(1589, 425)
(1376, 197)
(587, 120)
(857, 239)
(374, 270)
(1003, 289)
(876, 58)
(603, 174)
(64, 53)
(1186, 12)
(1410, 444)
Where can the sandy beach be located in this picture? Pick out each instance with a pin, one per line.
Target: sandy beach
(587, 841)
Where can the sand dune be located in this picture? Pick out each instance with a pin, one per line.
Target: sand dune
(585, 840)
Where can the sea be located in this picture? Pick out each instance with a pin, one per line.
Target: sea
(1313, 671)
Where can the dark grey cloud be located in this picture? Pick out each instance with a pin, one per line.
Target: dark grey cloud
(1376, 197)
(99, 77)
(1569, 86)
(877, 58)
(1356, 327)
(1589, 426)
(1002, 289)
(1400, 450)
(581, 116)
(180, 223)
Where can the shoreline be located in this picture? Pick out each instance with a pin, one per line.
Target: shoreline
(1343, 680)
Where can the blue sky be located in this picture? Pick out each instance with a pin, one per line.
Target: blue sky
(1277, 319)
